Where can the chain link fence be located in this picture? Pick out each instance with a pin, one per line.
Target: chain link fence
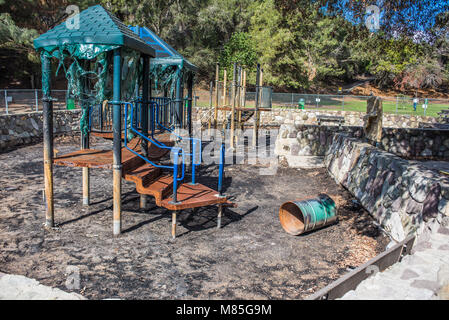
(14, 101)
(396, 105)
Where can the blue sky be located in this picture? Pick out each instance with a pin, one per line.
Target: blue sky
(417, 19)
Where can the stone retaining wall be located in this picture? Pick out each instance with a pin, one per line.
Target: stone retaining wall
(19, 129)
(278, 117)
(312, 140)
(403, 196)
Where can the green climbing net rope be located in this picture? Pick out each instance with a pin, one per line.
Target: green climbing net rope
(89, 75)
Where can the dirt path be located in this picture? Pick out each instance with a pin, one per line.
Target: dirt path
(250, 258)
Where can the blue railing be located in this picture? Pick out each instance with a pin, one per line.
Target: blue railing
(196, 143)
(132, 124)
(221, 169)
(176, 151)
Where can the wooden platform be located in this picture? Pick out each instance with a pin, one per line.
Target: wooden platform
(244, 109)
(92, 158)
(162, 137)
(102, 159)
(194, 196)
(149, 180)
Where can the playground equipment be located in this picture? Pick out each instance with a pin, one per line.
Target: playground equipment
(236, 106)
(140, 125)
(302, 216)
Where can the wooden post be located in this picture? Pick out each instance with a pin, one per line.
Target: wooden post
(243, 103)
(233, 97)
(255, 129)
(209, 120)
(220, 215)
(48, 141)
(217, 77)
(117, 145)
(224, 101)
(173, 225)
(239, 98)
(86, 187)
(260, 99)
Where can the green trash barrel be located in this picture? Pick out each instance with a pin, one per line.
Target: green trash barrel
(298, 217)
(70, 104)
(301, 103)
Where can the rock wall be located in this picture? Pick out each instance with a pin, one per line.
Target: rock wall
(403, 196)
(19, 129)
(312, 140)
(278, 117)
(417, 143)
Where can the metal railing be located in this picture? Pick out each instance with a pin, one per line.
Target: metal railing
(196, 159)
(175, 150)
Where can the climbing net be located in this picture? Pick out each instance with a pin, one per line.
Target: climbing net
(89, 74)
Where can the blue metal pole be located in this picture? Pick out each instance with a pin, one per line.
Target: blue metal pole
(221, 170)
(175, 176)
(194, 143)
(117, 144)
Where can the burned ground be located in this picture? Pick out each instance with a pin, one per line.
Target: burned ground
(251, 257)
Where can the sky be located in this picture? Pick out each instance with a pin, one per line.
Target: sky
(418, 17)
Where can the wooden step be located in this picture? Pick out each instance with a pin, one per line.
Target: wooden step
(159, 188)
(143, 175)
(194, 196)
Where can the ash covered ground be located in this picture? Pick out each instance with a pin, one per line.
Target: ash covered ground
(251, 257)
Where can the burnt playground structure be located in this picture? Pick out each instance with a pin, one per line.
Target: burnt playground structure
(110, 71)
(368, 193)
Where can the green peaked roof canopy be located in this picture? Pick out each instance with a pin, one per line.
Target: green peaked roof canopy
(97, 26)
(165, 54)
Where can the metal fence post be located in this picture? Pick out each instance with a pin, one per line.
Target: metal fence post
(343, 103)
(6, 101)
(397, 103)
(292, 101)
(426, 101)
(37, 100)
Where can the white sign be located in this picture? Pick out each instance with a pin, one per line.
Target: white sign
(318, 99)
(424, 106)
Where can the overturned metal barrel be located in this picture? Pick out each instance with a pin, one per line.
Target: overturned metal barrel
(302, 216)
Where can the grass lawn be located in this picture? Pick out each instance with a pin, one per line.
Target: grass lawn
(360, 106)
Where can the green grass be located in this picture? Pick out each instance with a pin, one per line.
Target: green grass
(360, 106)
(390, 107)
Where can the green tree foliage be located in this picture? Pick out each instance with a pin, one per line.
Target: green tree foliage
(239, 49)
(14, 37)
(305, 47)
(301, 44)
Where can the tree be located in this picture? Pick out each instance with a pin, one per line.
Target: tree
(300, 46)
(239, 49)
